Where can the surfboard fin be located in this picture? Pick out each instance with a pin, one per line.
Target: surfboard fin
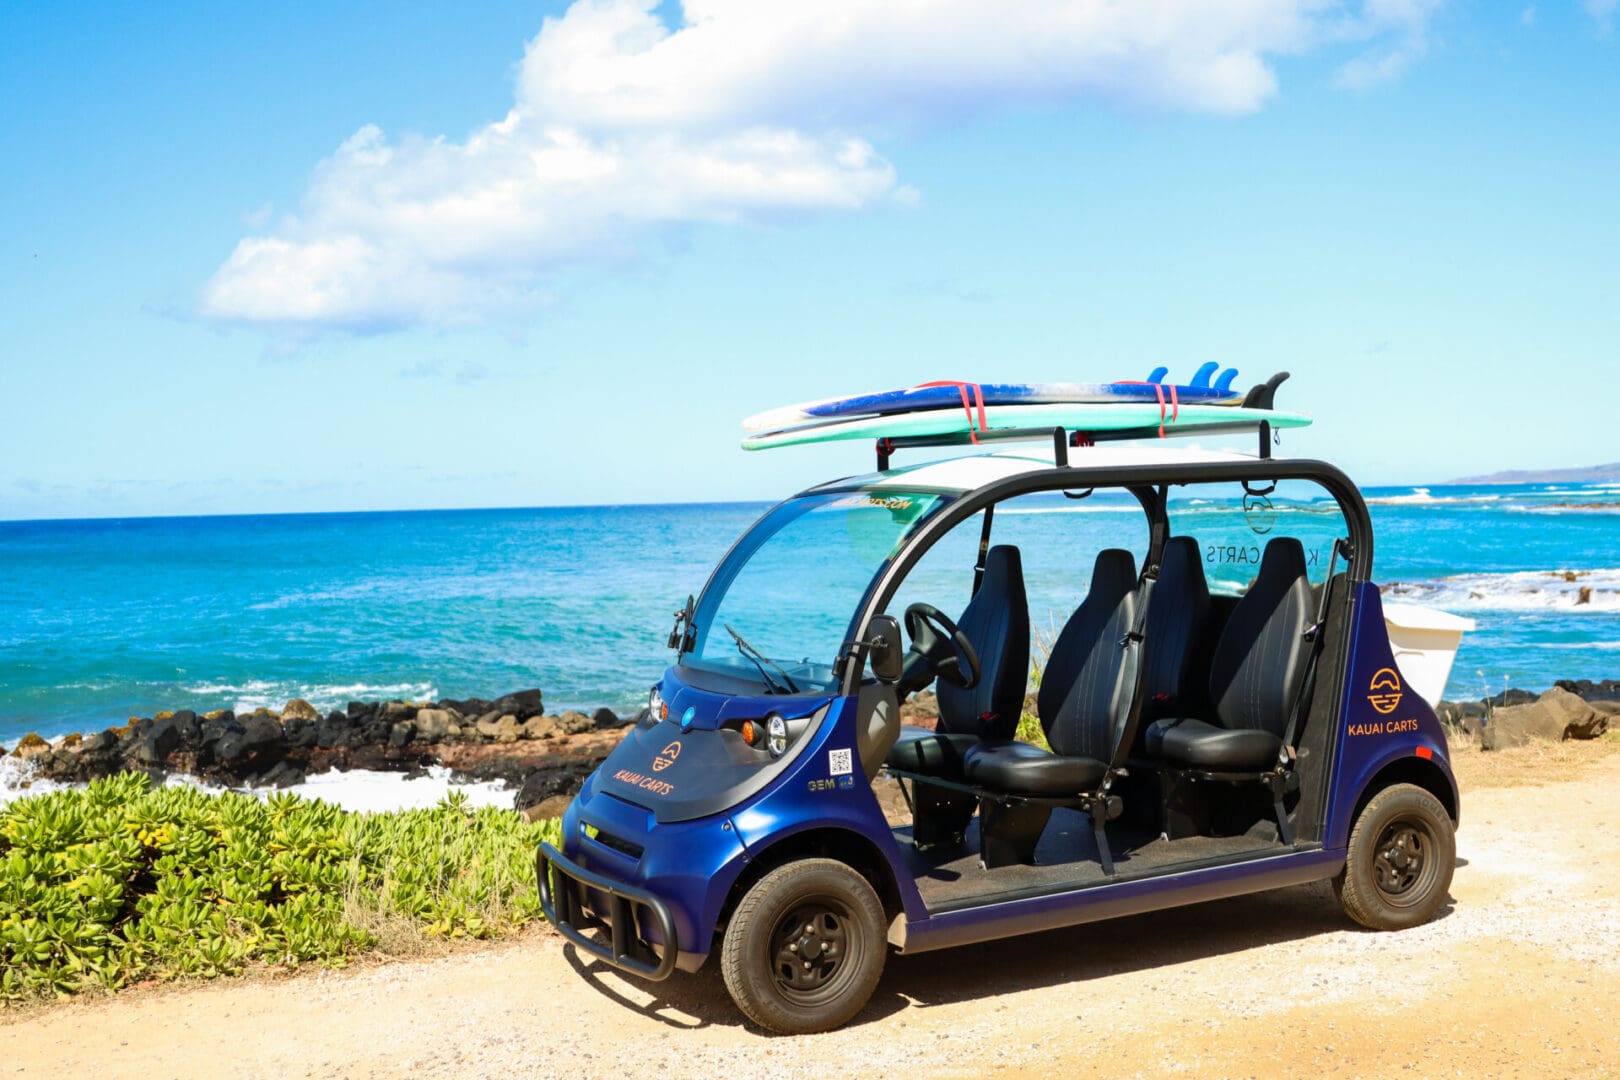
(1224, 383)
(1158, 374)
(1262, 395)
(1200, 379)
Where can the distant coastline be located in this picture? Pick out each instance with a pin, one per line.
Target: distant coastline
(1589, 474)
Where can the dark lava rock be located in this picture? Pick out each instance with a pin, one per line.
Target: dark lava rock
(185, 722)
(470, 707)
(1513, 696)
(607, 718)
(100, 742)
(282, 774)
(151, 745)
(215, 730)
(1586, 689)
(401, 734)
(259, 735)
(395, 711)
(359, 710)
(521, 704)
(336, 729)
(1464, 714)
(301, 734)
(562, 778)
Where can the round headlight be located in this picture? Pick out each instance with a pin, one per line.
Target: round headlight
(775, 735)
(656, 707)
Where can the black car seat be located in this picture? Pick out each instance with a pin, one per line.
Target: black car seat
(1177, 627)
(1255, 674)
(1085, 707)
(996, 622)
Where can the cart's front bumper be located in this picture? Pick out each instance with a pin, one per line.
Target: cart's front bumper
(572, 908)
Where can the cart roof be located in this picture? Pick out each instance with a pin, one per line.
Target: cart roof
(963, 474)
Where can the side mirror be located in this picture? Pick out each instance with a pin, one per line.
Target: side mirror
(681, 634)
(885, 647)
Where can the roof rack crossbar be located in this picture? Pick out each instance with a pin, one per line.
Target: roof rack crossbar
(1060, 436)
(1064, 439)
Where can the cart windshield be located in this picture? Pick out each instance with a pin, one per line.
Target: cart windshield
(791, 587)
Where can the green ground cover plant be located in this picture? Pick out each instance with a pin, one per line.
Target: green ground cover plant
(120, 882)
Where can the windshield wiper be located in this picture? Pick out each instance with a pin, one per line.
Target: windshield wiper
(760, 660)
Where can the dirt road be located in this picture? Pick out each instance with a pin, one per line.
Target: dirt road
(1520, 978)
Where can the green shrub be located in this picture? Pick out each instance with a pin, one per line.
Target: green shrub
(119, 882)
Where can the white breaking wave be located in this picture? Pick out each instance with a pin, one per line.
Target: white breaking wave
(1424, 497)
(361, 790)
(1529, 591)
(17, 780)
(262, 694)
(1556, 509)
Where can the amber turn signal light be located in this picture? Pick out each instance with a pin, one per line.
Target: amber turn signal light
(749, 732)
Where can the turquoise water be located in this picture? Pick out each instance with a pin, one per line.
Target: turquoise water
(102, 620)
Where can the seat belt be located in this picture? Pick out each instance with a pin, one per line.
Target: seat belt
(1307, 686)
(1277, 779)
(984, 548)
(1136, 636)
(1158, 536)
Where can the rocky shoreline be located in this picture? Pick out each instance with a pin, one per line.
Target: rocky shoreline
(512, 738)
(545, 756)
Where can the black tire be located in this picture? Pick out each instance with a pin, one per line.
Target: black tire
(1403, 849)
(811, 906)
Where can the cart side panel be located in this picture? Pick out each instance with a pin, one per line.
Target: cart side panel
(1382, 722)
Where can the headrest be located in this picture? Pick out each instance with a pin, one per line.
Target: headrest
(1003, 563)
(1114, 575)
(1282, 563)
(1182, 560)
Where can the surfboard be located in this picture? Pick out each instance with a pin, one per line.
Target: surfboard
(954, 395)
(1147, 418)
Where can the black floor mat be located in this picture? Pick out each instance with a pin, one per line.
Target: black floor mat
(1065, 858)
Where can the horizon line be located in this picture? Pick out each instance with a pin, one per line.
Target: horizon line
(66, 520)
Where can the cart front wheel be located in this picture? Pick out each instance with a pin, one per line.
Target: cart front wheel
(805, 947)
(1398, 868)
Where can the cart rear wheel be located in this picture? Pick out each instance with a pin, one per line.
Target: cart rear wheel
(1403, 849)
(805, 947)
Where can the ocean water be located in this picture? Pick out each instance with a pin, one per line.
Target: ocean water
(103, 620)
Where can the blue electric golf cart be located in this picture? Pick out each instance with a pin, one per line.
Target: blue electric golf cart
(1214, 709)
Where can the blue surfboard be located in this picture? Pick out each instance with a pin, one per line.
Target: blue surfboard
(973, 396)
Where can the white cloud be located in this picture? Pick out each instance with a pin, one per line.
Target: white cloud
(1396, 33)
(748, 110)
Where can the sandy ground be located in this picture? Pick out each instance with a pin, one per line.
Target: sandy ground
(1519, 977)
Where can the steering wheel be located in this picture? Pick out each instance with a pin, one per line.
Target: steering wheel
(941, 642)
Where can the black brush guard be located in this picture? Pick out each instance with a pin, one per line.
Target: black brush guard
(566, 911)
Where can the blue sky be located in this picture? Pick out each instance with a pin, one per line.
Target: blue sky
(395, 256)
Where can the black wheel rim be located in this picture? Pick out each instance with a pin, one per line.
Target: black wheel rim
(814, 948)
(1404, 864)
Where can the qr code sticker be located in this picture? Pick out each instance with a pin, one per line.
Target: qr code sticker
(838, 763)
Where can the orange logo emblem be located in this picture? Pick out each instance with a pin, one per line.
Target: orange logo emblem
(1385, 692)
(666, 757)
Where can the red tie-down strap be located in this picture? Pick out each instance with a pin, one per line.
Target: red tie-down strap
(1158, 392)
(972, 397)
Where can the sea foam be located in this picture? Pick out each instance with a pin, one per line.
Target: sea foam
(1531, 591)
(361, 790)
